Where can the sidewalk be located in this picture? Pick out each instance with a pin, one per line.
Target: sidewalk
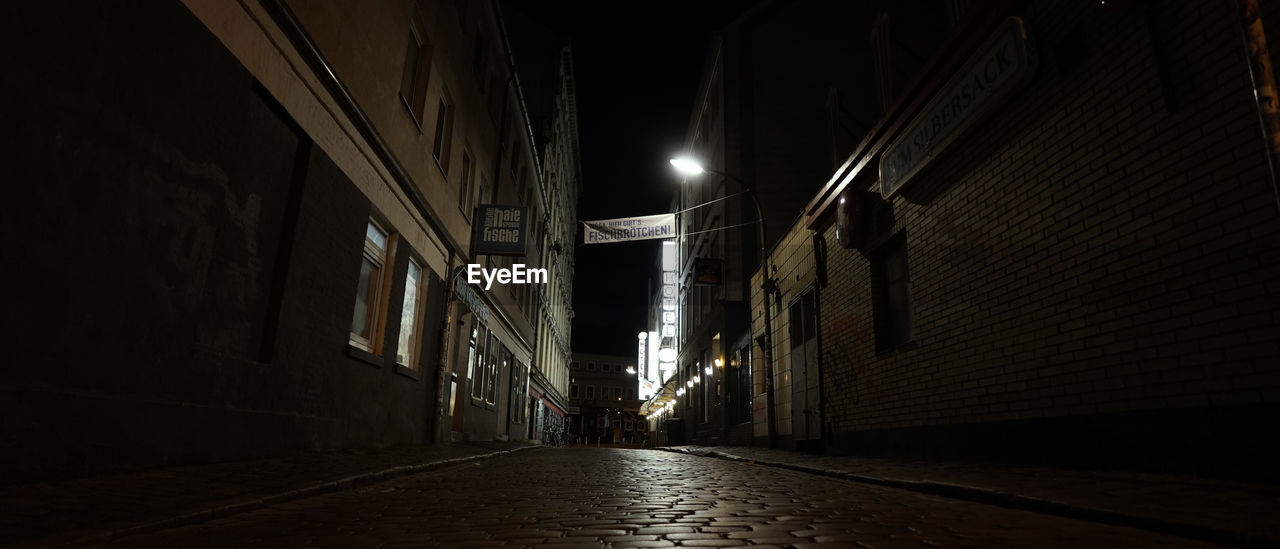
(1231, 513)
(91, 510)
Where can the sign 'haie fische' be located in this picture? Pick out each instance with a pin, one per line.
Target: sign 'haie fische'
(1001, 67)
(499, 230)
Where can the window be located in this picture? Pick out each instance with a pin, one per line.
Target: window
(479, 56)
(461, 6)
(591, 392)
(466, 195)
(591, 365)
(891, 298)
(519, 391)
(417, 68)
(366, 323)
(573, 391)
(617, 393)
(706, 387)
(688, 375)
(444, 133)
(881, 46)
(496, 96)
(498, 360)
(738, 383)
(476, 364)
(410, 313)
(575, 365)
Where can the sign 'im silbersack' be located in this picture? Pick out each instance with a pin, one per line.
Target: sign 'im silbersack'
(499, 230)
(1002, 66)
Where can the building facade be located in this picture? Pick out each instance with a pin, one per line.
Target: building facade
(604, 401)
(1079, 269)
(781, 102)
(562, 169)
(272, 203)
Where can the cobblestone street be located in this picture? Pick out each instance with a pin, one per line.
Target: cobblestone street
(637, 498)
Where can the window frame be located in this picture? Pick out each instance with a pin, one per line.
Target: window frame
(466, 189)
(891, 299)
(416, 76)
(442, 145)
(415, 317)
(480, 58)
(478, 348)
(378, 297)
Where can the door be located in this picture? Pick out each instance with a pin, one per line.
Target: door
(466, 361)
(806, 408)
(502, 392)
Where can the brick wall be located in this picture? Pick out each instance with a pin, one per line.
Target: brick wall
(1094, 268)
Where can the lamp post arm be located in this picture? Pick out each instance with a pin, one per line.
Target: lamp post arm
(766, 341)
(766, 285)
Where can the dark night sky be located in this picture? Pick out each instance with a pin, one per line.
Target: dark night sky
(637, 67)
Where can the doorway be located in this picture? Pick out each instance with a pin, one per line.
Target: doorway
(806, 377)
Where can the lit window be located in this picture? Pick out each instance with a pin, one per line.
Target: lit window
(365, 322)
(478, 360)
(500, 363)
(407, 350)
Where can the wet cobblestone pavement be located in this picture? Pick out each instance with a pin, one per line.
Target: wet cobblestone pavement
(637, 498)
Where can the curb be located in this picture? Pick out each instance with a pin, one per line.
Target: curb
(1018, 502)
(203, 515)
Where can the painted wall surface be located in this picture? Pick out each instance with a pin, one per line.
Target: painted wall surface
(191, 260)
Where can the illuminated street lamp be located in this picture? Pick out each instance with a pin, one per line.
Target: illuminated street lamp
(691, 167)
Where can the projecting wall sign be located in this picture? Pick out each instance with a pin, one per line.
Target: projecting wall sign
(468, 296)
(499, 230)
(1002, 66)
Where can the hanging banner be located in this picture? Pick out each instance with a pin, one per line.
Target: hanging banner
(626, 229)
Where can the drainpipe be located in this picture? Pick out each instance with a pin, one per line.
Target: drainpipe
(1263, 79)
